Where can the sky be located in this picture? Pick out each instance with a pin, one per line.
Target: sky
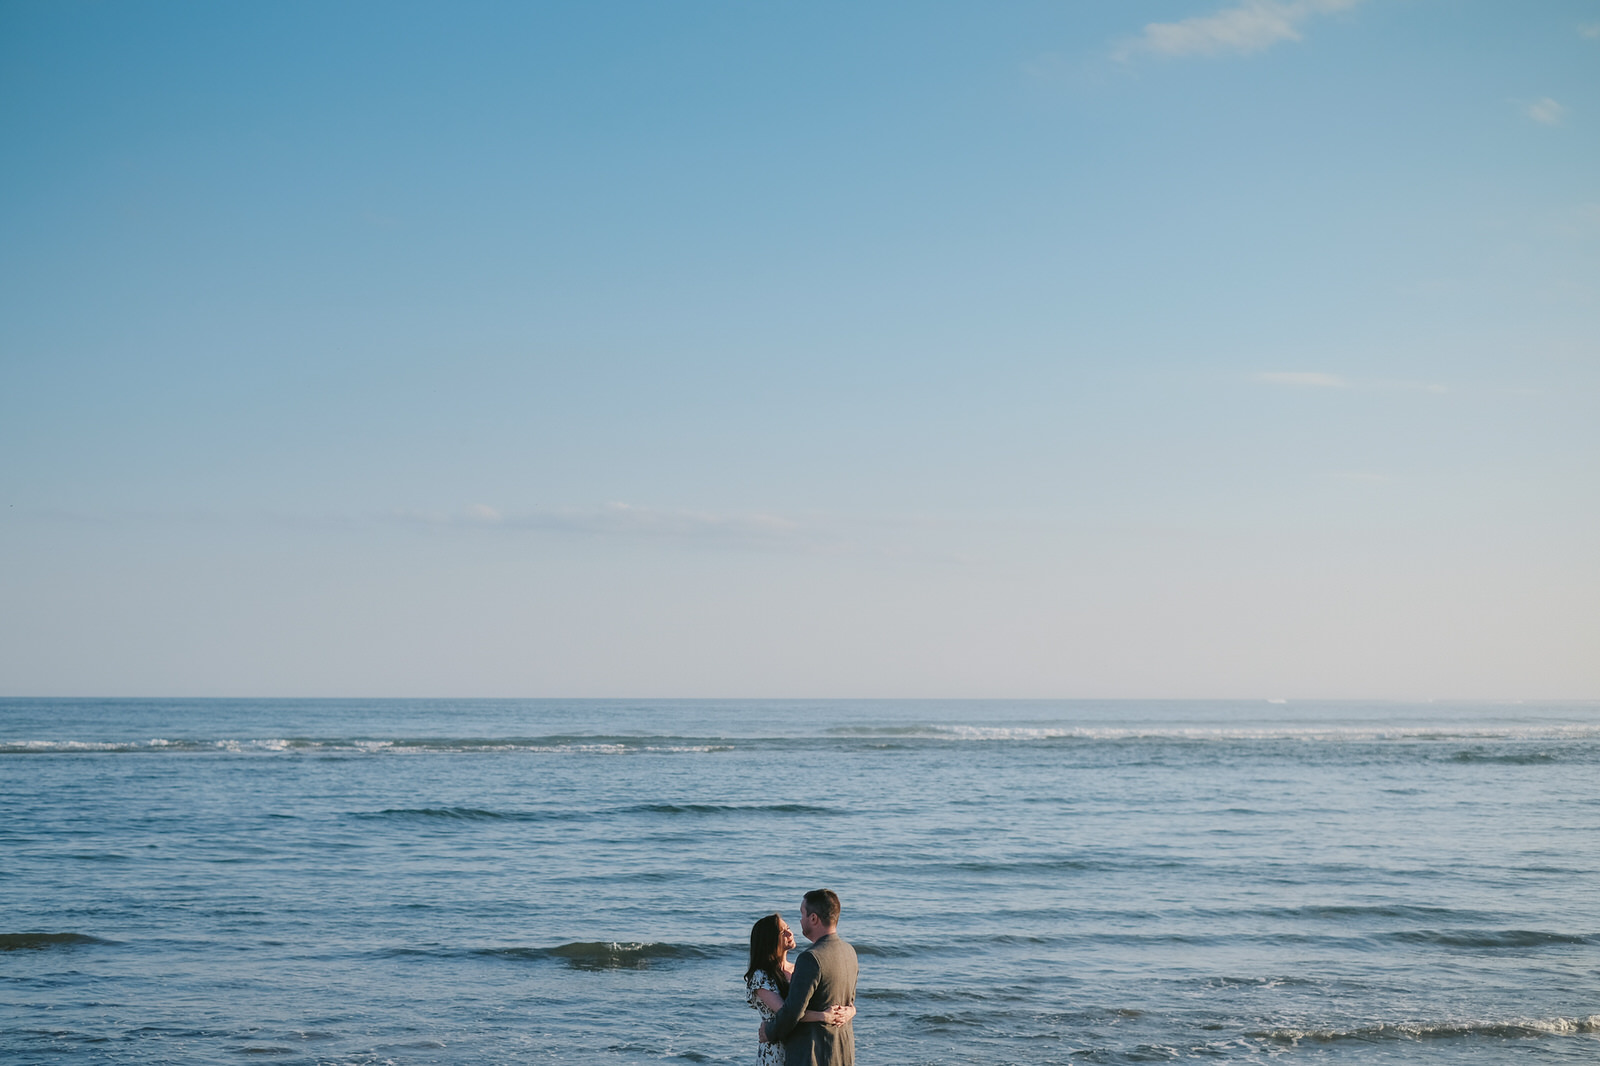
(1170, 348)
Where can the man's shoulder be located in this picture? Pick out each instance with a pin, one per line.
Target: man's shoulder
(833, 943)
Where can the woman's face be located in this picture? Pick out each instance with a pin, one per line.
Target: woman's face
(785, 936)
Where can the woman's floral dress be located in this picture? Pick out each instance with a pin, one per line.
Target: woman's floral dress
(770, 1054)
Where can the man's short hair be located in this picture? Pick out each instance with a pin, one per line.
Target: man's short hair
(822, 905)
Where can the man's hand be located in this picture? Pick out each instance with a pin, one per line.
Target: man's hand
(761, 1033)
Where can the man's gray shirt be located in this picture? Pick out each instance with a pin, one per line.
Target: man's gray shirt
(824, 976)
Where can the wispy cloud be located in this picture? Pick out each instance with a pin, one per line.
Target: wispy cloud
(1303, 379)
(1251, 26)
(628, 520)
(1546, 112)
(1308, 379)
(1590, 30)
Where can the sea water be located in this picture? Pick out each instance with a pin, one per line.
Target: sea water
(382, 881)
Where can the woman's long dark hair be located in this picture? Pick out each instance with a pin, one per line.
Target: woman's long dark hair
(766, 952)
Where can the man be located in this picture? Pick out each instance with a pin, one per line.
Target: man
(824, 976)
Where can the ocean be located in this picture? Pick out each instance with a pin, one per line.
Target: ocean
(514, 881)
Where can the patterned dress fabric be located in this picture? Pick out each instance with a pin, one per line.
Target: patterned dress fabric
(769, 1054)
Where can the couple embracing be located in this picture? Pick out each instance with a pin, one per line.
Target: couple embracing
(805, 1008)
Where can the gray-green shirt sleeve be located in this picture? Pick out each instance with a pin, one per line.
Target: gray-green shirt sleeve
(801, 986)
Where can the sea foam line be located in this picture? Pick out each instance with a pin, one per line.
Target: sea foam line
(580, 744)
(398, 746)
(1577, 731)
(1422, 1030)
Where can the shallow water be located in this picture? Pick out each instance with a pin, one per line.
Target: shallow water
(574, 881)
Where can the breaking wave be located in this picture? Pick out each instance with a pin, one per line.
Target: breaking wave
(601, 745)
(726, 808)
(1501, 743)
(44, 941)
(584, 954)
(479, 814)
(958, 732)
(465, 814)
(1511, 1028)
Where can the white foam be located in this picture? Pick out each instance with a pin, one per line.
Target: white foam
(1416, 1030)
(952, 733)
(1275, 732)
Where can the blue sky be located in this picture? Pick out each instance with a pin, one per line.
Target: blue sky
(1037, 349)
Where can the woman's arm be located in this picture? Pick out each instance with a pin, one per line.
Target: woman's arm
(837, 1014)
(831, 1016)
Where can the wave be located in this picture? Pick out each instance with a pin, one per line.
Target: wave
(601, 955)
(579, 744)
(465, 814)
(1308, 733)
(43, 941)
(1490, 938)
(725, 808)
(479, 814)
(583, 954)
(1335, 912)
(155, 744)
(956, 945)
(1021, 866)
(1509, 1028)
(1519, 939)
(1415, 739)
(1274, 981)
(1529, 758)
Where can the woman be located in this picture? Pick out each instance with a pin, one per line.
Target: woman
(766, 982)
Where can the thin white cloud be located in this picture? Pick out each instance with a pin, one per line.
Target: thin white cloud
(1251, 26)
(627, 520)
(678, 522)
(1303, 379)
(1590, 30)
(1546, 112)
(1306, 379)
